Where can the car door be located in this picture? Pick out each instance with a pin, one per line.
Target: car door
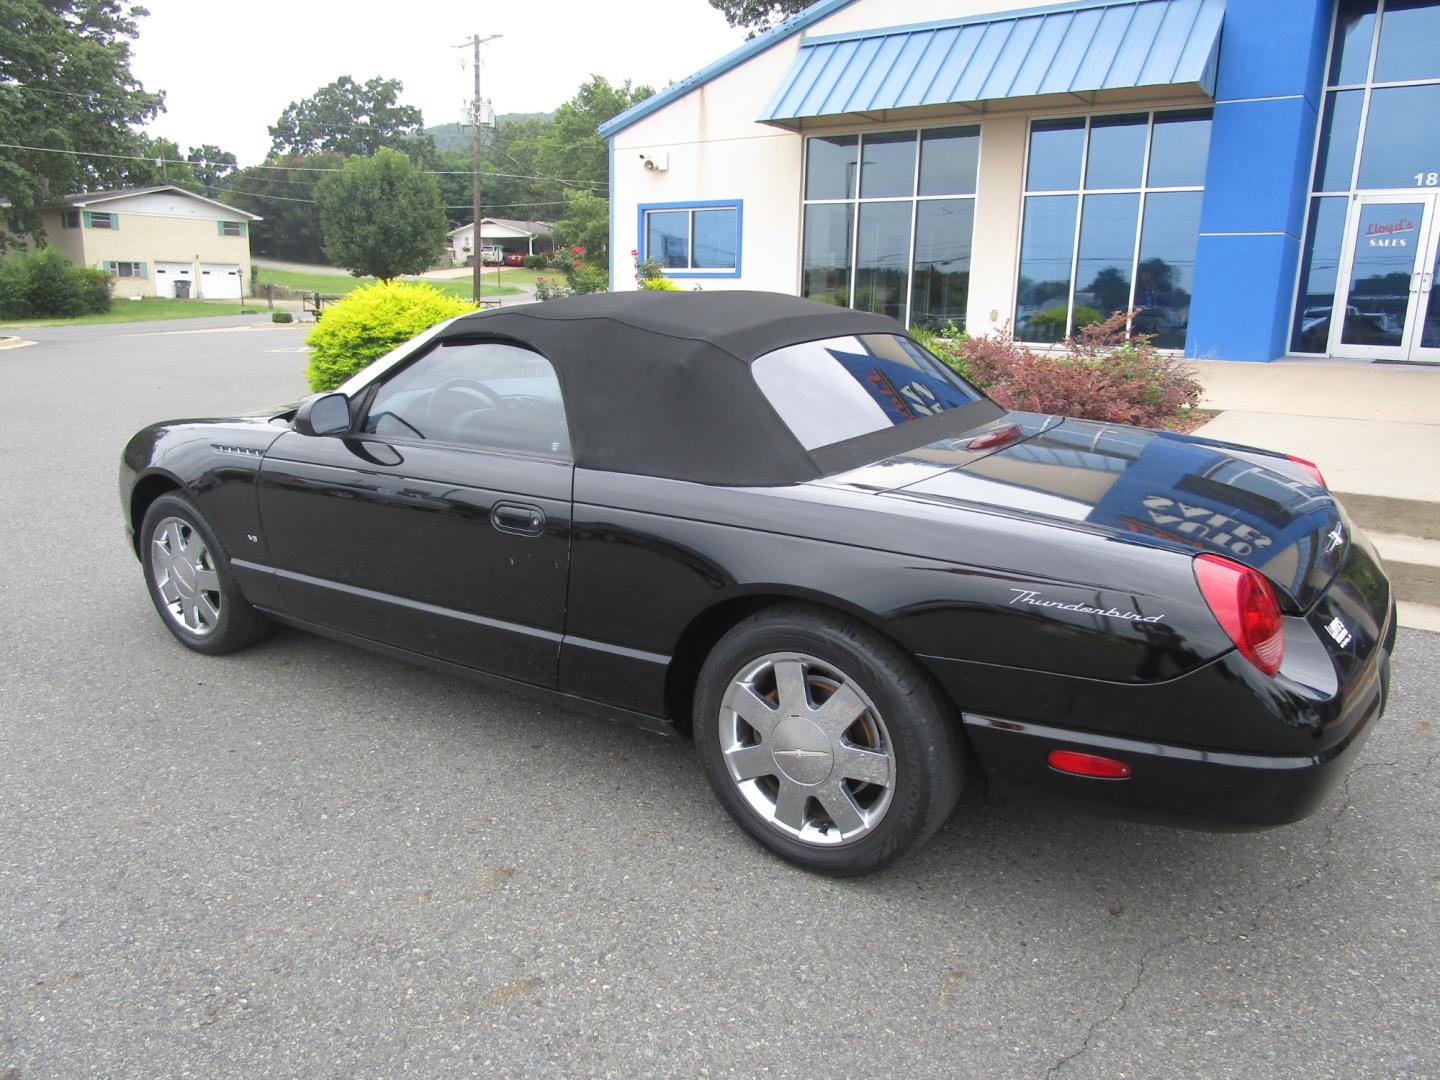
(441, 523)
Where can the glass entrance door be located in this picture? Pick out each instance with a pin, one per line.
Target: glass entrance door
(1385, 306)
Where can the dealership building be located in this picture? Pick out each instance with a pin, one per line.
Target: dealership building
(1257, 178)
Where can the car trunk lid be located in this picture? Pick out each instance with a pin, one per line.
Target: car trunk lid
(1162, 489)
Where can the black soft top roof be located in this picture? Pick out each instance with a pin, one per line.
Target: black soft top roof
(659, 383)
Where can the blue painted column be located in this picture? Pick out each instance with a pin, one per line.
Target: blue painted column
(1267, 100)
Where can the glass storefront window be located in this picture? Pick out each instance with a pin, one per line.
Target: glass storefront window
(1180, 148)
(1165, 271)
(1047, 241)
(887, 165)
(1392, 130)
(949, 160)
(825, 254)
(830, 167)
(1055, 150)
(1107, 250)
(1409, 42)
(1339, 132)
(1318, 270)
(898, 242)
(1354, 32)
(940, 284)
(1117, 151)
(1134, 247)
(882, 258)
(1402, 136)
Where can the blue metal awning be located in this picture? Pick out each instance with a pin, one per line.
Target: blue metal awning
(1073, 49)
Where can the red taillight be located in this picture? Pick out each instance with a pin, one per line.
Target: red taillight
(1078, 764)
(1311, 468)
(1244, 604)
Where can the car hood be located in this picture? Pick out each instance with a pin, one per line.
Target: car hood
(1162, 490)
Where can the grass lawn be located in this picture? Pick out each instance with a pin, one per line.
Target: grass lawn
(340, 283)
(148, 309)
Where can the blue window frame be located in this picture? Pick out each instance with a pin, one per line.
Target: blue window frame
(693, 239)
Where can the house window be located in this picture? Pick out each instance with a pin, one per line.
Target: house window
(70, 219)
(888, 222)
(1111, 221)
(700, 239)
(231, 228)
(126, 269)
(100, 221)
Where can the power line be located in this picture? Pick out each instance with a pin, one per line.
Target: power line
(288, 168)
(466, 206)
(73, 93)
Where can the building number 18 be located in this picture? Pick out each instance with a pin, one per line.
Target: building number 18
(1427, 179)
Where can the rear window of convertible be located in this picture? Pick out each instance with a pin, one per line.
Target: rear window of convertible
(840, 388)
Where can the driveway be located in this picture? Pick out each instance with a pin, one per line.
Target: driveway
(309, 860)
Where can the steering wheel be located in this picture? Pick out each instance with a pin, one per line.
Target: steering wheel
(470, 386)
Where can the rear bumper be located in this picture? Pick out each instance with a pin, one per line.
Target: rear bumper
(1182, 785)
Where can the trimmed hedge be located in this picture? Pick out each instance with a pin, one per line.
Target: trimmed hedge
(368, 323)
(44, 284)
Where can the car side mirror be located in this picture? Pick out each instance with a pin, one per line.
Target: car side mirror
(323, 414)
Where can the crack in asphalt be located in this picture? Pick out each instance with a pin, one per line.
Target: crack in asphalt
(1240, 935)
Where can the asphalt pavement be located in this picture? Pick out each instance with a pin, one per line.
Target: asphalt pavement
(306, 860)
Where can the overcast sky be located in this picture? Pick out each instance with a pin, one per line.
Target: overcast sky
(229, 70)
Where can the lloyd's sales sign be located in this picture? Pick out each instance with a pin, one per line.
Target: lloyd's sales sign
(1390, 233)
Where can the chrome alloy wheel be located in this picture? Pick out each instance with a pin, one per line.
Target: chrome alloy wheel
(185, 576)
(807, 749)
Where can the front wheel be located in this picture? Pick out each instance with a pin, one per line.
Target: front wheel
(824, 741)
(190, 581)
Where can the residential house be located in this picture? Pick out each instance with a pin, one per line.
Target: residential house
(155, 241)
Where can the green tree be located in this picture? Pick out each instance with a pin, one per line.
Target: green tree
(65, 84)
(162, 164)
(586, 224)
(568, 147)
(758, 15)
(348, 118)
(283, 193)
(211, 167)
(381, 216)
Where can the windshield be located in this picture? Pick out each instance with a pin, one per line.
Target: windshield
(840, 388)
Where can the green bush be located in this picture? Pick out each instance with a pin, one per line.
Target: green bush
(371, 321)
(534, 262)
(45, 285)
(281, 316)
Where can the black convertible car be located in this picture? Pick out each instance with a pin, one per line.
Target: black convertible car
(790, 530)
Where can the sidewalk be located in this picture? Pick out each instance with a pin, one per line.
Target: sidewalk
(1374, 430)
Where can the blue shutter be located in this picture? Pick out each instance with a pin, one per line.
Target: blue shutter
(143, 272)
(85, 217)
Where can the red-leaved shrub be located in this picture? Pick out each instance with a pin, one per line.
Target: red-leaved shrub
(1102, 374)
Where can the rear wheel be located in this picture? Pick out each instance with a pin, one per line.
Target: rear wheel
(824, 741)
(190, 581)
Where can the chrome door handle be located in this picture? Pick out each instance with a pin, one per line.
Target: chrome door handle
(518, 518)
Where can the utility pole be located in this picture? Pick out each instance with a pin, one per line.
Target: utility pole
(477, 118)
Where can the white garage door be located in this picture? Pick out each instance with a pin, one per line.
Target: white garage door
(219, 282)
(167, 273)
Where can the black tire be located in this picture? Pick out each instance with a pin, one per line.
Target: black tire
(223, 619)
(905, 716)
